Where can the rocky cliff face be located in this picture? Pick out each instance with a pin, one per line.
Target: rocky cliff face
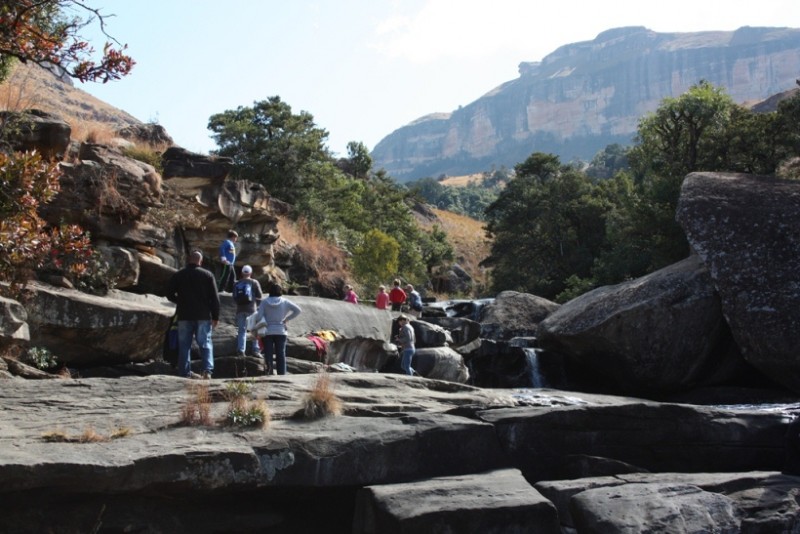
(587, 95)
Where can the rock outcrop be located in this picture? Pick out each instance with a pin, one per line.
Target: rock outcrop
(114, 455)
(746, 229)
(585, 96)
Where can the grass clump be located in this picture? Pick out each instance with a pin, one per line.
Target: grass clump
(321, 401)
(197, 409)
(89, 435)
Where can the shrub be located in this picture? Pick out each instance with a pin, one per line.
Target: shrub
(145, 154)
(246, 413)
(42, 358)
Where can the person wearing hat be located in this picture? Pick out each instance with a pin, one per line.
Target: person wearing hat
(406, 339)
(247, 294)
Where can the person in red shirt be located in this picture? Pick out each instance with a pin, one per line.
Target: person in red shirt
(397, 296)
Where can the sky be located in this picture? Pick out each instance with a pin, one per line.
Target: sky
(362, 68)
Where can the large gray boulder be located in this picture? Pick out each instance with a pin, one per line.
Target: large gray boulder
(82, 329)
(495, 502)
(659, 333)
(513, 314)
(35, 129)
(746, 229)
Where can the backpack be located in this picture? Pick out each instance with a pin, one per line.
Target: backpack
(243, 292)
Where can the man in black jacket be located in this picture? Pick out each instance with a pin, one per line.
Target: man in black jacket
(194, 291)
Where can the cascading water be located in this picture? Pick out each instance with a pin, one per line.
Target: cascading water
(536, 378)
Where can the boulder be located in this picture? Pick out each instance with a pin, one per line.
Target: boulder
(13, 321)
(38, 130)
(650, 436)
(123, 265)
(82, 329)
(497, 501)
(514, 314)
(659, 333)
(745, 229)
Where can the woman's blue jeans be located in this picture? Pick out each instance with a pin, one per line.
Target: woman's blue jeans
(275, 344)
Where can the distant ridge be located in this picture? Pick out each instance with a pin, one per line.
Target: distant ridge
(585, 96)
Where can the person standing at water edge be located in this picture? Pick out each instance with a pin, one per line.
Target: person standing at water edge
(194, 292)
(247, 295)
(406, 339)
(227, 255)
(275, 311)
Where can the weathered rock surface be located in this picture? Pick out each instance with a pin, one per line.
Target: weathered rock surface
(82, 329)
(545, 443)
(513, 314)
(498, 501)
(113, 453)
(661, 332)
(747, 231)
(35, 129)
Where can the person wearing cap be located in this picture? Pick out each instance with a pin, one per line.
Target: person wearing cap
(414, 301)
(406, 339)
(246, 308)
(194, 292)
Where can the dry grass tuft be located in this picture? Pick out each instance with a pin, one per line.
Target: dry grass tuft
(90, 435)
(197, 409)
(56, 436)
(321, 401)
(327, 260)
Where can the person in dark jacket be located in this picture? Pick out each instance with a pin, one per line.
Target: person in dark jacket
(194, 291)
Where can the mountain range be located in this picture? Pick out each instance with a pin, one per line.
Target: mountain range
(587, 95)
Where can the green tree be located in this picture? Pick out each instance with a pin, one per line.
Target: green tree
(359, 162)
(547, 225)
(273, 146)
(376, 258)
(436, 249)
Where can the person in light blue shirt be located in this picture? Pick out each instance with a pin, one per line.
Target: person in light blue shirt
(414, 301)
(227, 255)
(274, 312)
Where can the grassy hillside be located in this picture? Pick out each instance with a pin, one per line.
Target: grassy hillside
(468, 238)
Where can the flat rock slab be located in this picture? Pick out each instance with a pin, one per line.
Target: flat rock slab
(497, 501)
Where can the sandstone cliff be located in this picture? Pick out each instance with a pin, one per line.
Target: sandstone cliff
(585, 96)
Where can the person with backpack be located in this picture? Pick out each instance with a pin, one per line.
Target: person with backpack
(247, 295)
(274, 312)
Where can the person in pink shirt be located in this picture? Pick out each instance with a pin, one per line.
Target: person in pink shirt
(382, 298)
(350, 295)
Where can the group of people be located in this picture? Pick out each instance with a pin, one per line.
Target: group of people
(397, 298)
(195, 292)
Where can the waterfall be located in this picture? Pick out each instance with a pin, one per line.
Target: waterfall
(535, 373)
